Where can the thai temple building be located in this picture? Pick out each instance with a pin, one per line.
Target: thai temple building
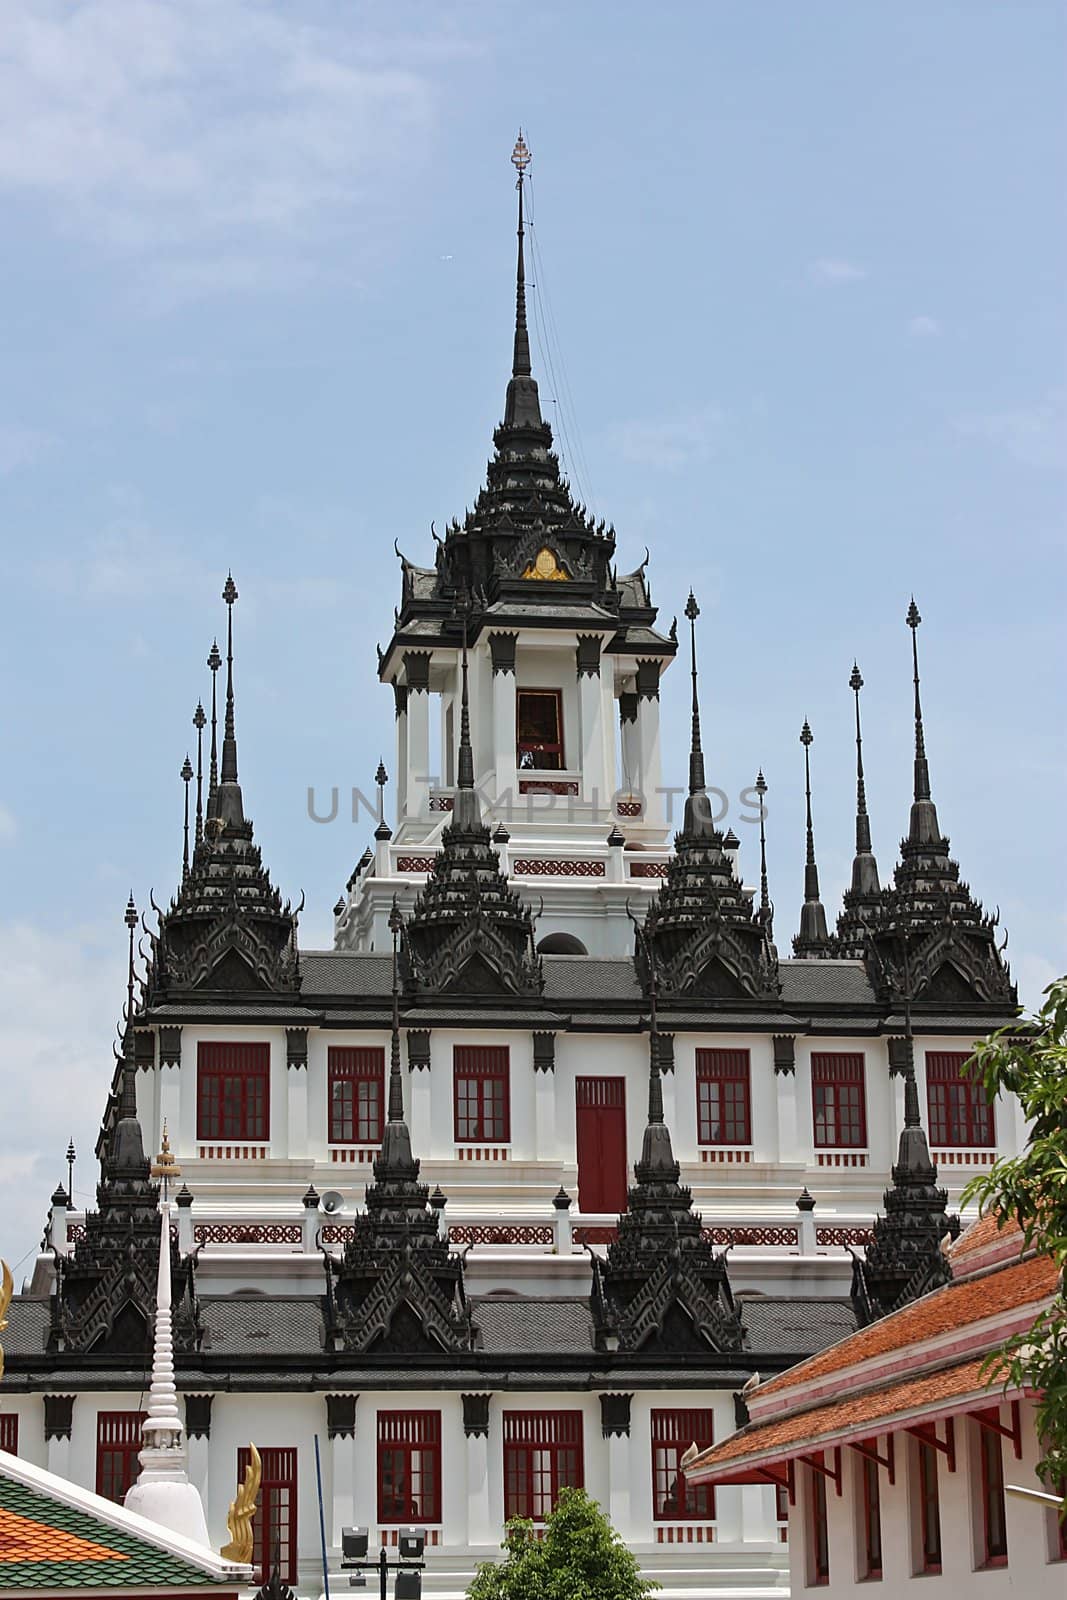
(565, 1141)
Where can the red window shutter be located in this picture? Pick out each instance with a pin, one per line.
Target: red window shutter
(994, 1519)
(481, 1094)
(9, 1433)
(409, 1466)
(724, 1097)
(672, 1433)
(600, 1130)
(233, 1090)
(118, 1444)
(839, 1103)
(356, 1089)
(820, 1533)
(959, 1113)
(929, 1508)
(274, 1524)
(542, 1455)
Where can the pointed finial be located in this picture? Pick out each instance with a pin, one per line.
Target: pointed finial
(165, 1166)
(214, 662)
(186, 777)
(72, 1156)
(813, 938)
(229, 740)
(764, 894)
(522, 407)
(381, 777)
(130, 919)
(696, 756)
(864, 867)
(199, 720)
(923, 827)
(396, 1084)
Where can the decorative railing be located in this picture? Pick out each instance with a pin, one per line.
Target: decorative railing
(233, 1152)
(963, 1158)
(557, 867)
(482, 1152)
(594, 1233)
(766, 1237)
(440, 801)
(247, 1233)
(564, 786)
(501, 1234)
(336, 1232)
(843, 1236)
(628, 808)
(841, 1158)
(352, 1154)
(725, 1154)
(414, 863)
(648, 869)
(685, 1533)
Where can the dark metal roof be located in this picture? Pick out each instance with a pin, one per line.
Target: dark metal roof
(520, 1326)
(794, 1326)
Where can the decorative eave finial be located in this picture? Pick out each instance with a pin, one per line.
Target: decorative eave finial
(199, 720)
(186, 777)
(813, 938)
(72, 1156)
(130, 919)
(128, 1096)
(765, 909)
(923, 829)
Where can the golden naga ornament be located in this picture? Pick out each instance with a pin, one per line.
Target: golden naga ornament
(7, 1289)
(545, 567)
(242, 1510)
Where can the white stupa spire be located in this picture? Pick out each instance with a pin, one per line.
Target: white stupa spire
(163, 1492)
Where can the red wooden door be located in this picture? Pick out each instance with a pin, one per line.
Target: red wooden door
(600, 1116)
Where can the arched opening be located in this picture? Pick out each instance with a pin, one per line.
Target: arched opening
(561, 944)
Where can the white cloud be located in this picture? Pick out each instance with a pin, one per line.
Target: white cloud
(8, 825)
(20, 447)
(1032, 974)
(831, 271)
(201, 131)
(1034, 435)
(668, 444)
(924, 327)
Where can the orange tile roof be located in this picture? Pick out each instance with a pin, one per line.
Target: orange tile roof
(22, 1539)
(858, 1415)
(981, 1233)
(947, 1310)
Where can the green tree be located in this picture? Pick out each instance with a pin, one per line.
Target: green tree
(1029, 1060)
(580, 1557)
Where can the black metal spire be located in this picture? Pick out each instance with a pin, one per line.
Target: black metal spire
(214, 662)
(383, 831)
(923, 829)
(396, 1143)
(697, 821)
(199, 719)
(813, 938)
(229, 740)
(466, 808)
(186, 777)
(766, 910)
(864, 866)
(522, 408)
(127, 1148)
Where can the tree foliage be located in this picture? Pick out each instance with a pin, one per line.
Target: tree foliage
(579, 1557)
(1030, 1061)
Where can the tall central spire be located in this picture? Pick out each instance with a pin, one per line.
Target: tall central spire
(864, 866)
(522, 408)
(813, 938)
(466, 810)
(697, 822)
(923, 829)
(229, 804)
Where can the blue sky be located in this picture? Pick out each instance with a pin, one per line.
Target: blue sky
(805, 268)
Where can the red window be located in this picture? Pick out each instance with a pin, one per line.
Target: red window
(9, 1434)
(819, 1554)
(233, 1091)
(600, 1129)
(929, 1510)
(118, 1444)
(274, 1524)
(959, 1112)
(672, 1434)
(838, 1104)
(357, 1094)
(409, 1466)
(482, 1097)
(872, 1519)
(539, 724)
(994, 1521)
(724, 1110)
(542, 1455)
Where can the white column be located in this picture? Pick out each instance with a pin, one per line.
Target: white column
(479, 1526)
(595, 786)
(199, 1453)
(343, 1488)
(619, 1479)
(59, 1457)
(785, 1087)
(650, 765)
(547, 1146)
(504, 739)
(418, 775)
(170, 1085)
(758, 1523)
(297, 1085)
(420, 1113)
